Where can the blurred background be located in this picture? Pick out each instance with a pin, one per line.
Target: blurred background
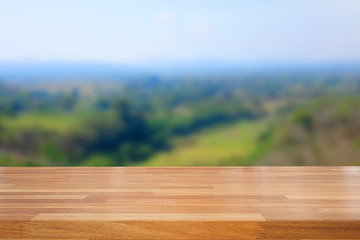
(179, 83)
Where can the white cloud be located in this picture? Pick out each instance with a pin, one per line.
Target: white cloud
(203, 27)
(165, 35)
(3, 31)
(164, 16)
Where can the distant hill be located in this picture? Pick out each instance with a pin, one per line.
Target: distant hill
(36, 71)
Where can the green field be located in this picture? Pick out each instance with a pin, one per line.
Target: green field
(60, 123)
(231, 144)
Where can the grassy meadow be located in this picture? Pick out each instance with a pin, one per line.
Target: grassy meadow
(231, 144)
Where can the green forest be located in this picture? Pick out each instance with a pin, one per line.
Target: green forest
(293, 118)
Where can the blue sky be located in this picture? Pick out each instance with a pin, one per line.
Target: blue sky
(133, 31)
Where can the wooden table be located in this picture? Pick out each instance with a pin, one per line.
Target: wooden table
(180, 203)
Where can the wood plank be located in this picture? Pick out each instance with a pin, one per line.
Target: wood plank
(180, 203)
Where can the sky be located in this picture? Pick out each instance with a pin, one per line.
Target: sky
(134, 31)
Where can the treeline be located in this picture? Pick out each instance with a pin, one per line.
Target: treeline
(65, 128)
(62, 139)
(321, 132)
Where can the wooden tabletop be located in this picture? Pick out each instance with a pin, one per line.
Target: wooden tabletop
(180, 203)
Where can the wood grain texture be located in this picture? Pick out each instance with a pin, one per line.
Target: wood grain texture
(180, 203)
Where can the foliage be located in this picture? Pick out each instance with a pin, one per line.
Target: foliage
(229, 119)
